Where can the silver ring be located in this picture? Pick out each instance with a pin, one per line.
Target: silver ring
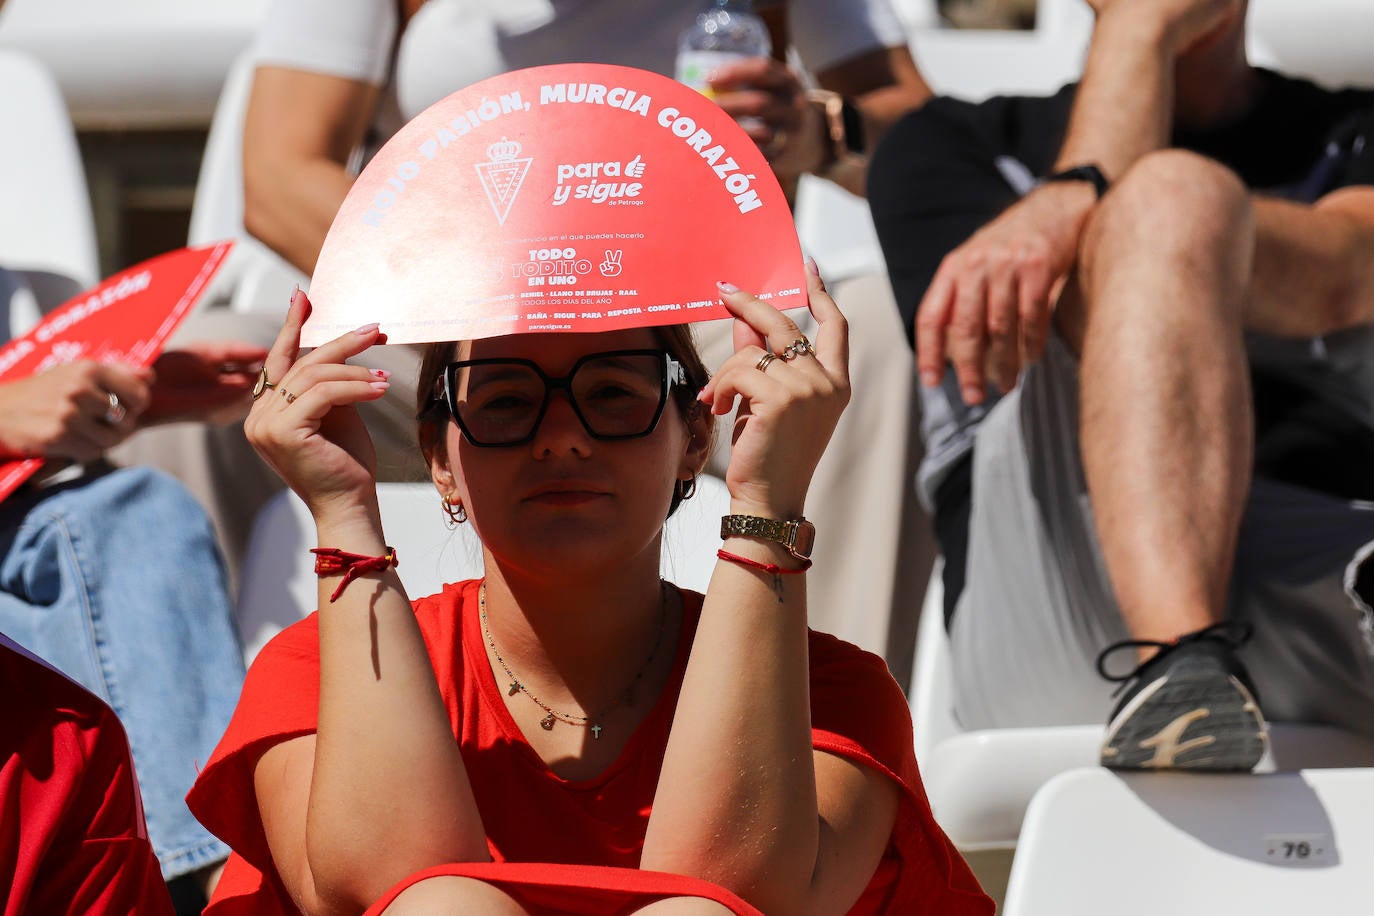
(116, 412)
(799, 347)
(765, 360)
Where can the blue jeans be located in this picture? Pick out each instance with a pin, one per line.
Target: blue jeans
(116, 580)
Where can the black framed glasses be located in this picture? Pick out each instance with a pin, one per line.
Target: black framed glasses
(619, 394)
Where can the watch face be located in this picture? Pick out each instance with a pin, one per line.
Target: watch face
(803, 539)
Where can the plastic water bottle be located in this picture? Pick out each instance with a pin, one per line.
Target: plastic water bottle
(727, 31)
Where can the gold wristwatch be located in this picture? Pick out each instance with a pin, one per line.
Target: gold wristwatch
(797, 535)
(844, 133)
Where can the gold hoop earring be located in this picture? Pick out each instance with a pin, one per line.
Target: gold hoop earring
(457, 513)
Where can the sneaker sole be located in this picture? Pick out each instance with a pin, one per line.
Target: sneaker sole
(1188, 720)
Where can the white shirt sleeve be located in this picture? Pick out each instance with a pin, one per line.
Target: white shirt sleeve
(347, 38)
(826, 32)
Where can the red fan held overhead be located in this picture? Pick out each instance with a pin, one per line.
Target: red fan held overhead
(576, 197)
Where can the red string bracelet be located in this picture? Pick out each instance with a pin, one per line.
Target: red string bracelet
(773, 568)
(332, 560)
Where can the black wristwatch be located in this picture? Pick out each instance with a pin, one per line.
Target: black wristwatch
(1087, 172)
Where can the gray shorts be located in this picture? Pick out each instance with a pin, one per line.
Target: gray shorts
(1038, 608)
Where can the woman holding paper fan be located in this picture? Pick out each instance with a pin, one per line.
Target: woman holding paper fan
(621, 745)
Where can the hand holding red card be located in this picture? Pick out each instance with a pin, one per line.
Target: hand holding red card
(112, 333)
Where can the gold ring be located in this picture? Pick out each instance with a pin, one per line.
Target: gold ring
(286, 394)
(262, 384)
(777, 142)
(762, 364)
(799, 347)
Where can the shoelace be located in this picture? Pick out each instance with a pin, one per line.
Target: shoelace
(1232, 632)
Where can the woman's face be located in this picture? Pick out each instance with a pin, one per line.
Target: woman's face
(565, 500)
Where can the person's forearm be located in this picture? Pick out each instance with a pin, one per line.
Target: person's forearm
(736, 803)
(289, 206)
(1123, 108)
(1314, 265)
(390, 794)
(299, 131)
(884, 105)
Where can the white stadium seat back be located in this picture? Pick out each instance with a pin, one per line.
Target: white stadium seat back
(979, 782)
(932, 687)
(1327, 41)
(256, 278)
(1196, 845)
(48, 224)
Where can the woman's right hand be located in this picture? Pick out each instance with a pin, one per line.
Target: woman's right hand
(306, 427)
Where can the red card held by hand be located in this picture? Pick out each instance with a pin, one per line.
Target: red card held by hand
(126, 319)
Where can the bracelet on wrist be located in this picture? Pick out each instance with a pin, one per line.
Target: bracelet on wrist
(775, 570)
(331, 561)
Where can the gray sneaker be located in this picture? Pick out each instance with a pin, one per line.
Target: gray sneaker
(1191, 706)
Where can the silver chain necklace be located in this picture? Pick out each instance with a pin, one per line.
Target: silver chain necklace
(553, 716)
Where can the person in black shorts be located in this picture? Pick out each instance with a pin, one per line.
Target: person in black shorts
(1141, 309)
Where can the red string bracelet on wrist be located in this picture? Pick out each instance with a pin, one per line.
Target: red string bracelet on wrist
(332, 560)
(773, 568)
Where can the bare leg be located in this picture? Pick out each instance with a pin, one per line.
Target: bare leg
(1166, 424)
(448, 894)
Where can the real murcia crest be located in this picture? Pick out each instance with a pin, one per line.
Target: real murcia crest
(502, 175)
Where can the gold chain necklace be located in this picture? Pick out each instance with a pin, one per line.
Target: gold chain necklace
(553, 716)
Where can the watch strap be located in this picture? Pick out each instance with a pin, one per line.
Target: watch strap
(796, 535)
(1088, 172)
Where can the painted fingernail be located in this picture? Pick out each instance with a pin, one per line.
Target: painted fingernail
(812, 268)
(382, 338)
(295, 293)
(367, 329)
(381, 373)
(381, 385)
(725, 286)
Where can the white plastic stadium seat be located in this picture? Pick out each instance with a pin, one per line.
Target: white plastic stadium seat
(1196, 845)
(133, 63)
(47, 224)
(980, 782)
(1327, 41)
(255, 278)
(279, 583)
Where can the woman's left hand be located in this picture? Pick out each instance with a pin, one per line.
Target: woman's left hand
(769, 101)
(789, 406)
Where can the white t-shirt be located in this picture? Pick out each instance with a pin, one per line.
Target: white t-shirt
(450, 44)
